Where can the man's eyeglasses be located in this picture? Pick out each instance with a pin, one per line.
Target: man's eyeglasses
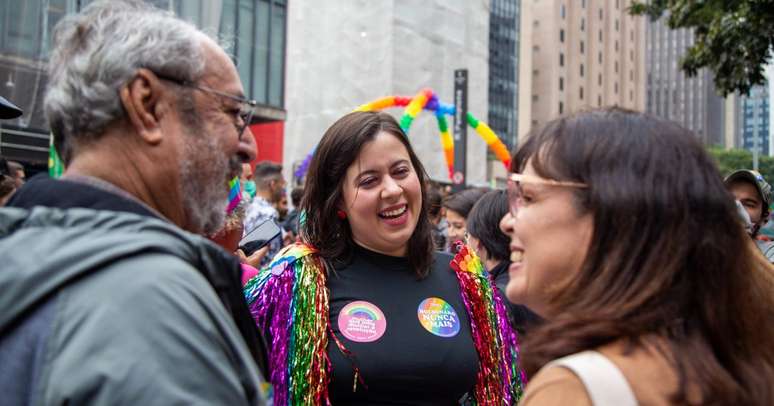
(516, 194)
(246, 106)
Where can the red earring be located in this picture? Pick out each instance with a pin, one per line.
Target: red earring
(342, 214)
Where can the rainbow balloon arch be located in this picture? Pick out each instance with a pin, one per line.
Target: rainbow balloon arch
(427, 100)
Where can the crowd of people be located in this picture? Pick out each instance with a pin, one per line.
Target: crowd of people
(617, 268)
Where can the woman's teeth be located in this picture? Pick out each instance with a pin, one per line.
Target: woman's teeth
(516, 256)
(393, 213)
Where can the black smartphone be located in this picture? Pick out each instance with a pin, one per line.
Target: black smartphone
(259, 236)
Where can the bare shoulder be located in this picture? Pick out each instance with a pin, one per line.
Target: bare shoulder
(555, 386)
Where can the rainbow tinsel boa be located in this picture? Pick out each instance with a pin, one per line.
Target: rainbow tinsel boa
(289, 301)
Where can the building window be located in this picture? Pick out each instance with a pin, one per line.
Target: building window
(631, 95)
(583, 24)
(535, 72)
(616, 45)
(562, 10)
(600, 35)
(561, 35)
(599, 79)
(561, 84)
(600, 57)
(582, 46)
(561, 58)
(601, 16)
(581, 70)
(631, 75)
(535, 48)
(581, 92)
(599, 100)
(258, 29)
(615, 87)
(616, 66)
(616, 25)
(583, 3)
(534, 97)
(631, 55)
(561, 108)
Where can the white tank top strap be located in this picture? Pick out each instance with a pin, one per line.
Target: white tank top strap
(604, 382)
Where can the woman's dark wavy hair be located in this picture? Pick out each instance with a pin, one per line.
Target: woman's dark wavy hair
(337, 150)
(667, 258)
(483, 222)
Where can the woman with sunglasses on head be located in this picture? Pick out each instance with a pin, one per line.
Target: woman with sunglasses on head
(626, 241)
(364, 311)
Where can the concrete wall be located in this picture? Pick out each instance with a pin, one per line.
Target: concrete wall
(345, 53)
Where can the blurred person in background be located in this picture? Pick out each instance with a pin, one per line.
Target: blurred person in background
(8, 175)
(248, 183)
(7, 182)
(491, 246)
(457, 207)
(17, 172)
(754, 194)
(292, 220)
(437, 220)
(270, 187)
(626, 242)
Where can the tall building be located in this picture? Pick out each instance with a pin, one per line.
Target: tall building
(503, 69)
(253, 29)
(754, 124)
(578, 54)
(671, 94)
(342, 54)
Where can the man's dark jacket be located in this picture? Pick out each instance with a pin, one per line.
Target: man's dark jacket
(105, 303)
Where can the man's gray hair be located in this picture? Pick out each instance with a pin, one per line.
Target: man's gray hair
(99, 50)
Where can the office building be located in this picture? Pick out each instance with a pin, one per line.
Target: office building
(503, 69)
(579, 54)
(671, 94)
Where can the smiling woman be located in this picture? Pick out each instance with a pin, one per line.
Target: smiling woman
(624, 238)
(398, 317)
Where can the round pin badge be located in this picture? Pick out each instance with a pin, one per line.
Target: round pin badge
(362, 322)
(438, 317)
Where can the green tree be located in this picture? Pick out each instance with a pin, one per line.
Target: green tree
(733, 159)
(733, 38)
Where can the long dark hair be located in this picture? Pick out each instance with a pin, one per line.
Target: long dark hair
(668, 256)
(338, 148)
(483, 222)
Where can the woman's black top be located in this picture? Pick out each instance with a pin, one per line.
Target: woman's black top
(523, 318)
(410, 338)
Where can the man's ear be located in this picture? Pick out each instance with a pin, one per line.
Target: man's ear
(142, 101)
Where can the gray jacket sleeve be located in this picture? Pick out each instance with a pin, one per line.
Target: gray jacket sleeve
(144, 331)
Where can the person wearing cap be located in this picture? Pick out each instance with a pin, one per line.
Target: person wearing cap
(111, 295)
(754, 194)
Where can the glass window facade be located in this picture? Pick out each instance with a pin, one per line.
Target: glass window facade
(254, 32)
(503, 69)
(755, 119)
